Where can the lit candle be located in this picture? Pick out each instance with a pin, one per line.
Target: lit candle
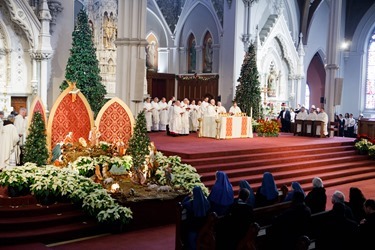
(251, 112)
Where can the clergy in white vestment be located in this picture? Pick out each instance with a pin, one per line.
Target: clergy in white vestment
(185, 126)
(171, 101)
(220, 109)
(193, 121)
(20, 122)
(302, 115)
(1, 120)
(234, 109)
(155, 114)
(163, 114)
(211, 109)
(175, 123)
(9, 150)
(203, 106)
(147, 107)
(312, 115)
(322, 116)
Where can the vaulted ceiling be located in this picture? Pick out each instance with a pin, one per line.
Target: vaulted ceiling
(354, 11)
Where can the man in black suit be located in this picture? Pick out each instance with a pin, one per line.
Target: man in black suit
(284, 115)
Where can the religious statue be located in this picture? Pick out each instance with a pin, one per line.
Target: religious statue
(73, 90)
(208, 56)
(94, 136)
(68, 138)
(150, 55)
(109, 31)
(192, 54)
(272, 80)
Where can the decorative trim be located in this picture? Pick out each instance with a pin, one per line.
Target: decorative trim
(37, 100)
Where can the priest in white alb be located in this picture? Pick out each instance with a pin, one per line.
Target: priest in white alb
(234, 110)
(155, 114)
(322, 116)
(9, 150)
(147, 108)
(175, 122)
(163, 114)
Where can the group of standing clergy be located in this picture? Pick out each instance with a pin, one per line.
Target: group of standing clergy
(13, 131)
(181, 117)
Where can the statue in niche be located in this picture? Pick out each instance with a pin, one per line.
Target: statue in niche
(109, 31)
(272, 81)
(193, 56)
(208, 56)
(150, 55)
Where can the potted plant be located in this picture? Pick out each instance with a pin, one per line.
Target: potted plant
(371, 152)
(362, 146)
(18, 180)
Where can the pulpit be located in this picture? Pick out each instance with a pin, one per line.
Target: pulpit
(366, 126)
(299, 127)
(318, 129)
(308, 127)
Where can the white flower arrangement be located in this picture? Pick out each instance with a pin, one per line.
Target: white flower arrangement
(184, 176)
(121, 165)
(85, 165)
(51, 180)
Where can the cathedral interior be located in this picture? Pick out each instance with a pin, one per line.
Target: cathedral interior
(309, 52)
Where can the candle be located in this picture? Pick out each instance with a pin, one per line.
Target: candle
(251, 112)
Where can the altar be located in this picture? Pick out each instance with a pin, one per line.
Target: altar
(226, 127)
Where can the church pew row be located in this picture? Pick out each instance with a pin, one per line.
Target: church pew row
(263, 217)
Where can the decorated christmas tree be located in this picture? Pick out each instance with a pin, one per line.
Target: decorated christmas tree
(139, 146)
(83, 66)
(36, 144)
(248, 94)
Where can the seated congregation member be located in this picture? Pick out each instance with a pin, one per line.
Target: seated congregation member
(221, 196)
(337, 231)
(251, 200)
(296, 187)
(236, 222)
(267, 194)
(316, 199)
(339, 197)
(367, 227)
(356, 201)
(291, 224)
(197, 207)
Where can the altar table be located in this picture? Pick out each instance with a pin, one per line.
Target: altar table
(227, 127)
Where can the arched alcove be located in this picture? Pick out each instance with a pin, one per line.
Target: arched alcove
(192, 54)
(315, 79)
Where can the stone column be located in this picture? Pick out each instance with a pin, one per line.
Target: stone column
(44, 50)
(131, 57)
(332, 56)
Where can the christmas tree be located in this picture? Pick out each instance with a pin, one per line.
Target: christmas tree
(139, 146)
(83, 66)
(36, 144)
(248, 94)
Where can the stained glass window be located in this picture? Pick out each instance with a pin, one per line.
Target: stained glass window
(370, 78)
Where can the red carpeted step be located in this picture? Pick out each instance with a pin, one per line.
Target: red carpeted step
(17, 201)
(35, 209)
(68, 231)
(39, 221)
(266, 155)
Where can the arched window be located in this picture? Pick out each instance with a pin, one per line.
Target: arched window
(207, 53)
(307, 97)
(370, 77)
(192, 58)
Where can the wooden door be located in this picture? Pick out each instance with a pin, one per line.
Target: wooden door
(18, 102)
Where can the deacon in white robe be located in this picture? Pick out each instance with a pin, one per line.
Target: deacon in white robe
(163, 114)
(147, 107)
(185, 128)
(234, 110)
(155, 114)
(203, 106)
(175, 123)
(220, 109)
(211, 109)
(20, 122)
(193, 119)
(9, 150)
(322, 116)
(302, 115)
